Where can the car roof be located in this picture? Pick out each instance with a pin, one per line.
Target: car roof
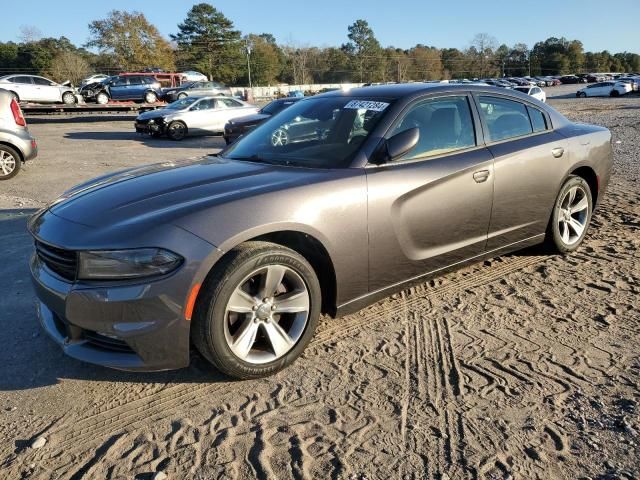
(412, 89)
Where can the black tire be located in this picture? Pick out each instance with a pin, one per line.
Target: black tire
(16, 162)
(102, 98)
(554, 239)
(615, 93)
(68, 98)
(177, 130)
(581, 95)
(150, 97)
(208, 328)
(181, 96)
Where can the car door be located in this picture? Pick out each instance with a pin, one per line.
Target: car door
(202, 116)
(431, 208)
(530, 161)
(136, 88)
(48, 91)
(118, 88)
(24, 87)
(227, 109)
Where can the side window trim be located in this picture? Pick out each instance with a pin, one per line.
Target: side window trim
(486, 137)
(435, 96)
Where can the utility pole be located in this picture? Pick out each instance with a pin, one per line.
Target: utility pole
(248, 49)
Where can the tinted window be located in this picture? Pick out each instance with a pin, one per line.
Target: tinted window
(42, 81)
(504, 118)
(538, 120)
(119, 82)
(135, 80)
(21, 80)
(206, 104)
(229, 102)
(445, 125)
(275, 107)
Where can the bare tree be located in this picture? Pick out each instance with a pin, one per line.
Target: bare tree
(29, 34)
(68, 66)
(484, 46)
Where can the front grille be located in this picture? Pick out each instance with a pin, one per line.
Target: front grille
(63, 262)
(106, 343)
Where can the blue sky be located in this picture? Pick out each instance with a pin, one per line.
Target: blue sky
(399, 23)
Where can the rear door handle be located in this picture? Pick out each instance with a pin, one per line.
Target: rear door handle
(557, 152)
(481, 176)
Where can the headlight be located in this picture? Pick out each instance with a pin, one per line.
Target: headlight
(126, 264)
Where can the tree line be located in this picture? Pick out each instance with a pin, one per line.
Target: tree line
(207, 41)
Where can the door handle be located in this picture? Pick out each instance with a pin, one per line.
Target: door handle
(557, 152)
(481, 176)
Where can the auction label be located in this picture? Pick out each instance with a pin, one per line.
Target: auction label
(367, 105)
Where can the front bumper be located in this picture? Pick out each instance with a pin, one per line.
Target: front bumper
(156, 127)
(127, 327)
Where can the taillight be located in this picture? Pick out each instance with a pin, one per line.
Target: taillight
(17, 113)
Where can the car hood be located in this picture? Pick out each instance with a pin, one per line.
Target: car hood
(167, 191)
(250, 119)
(160, 112)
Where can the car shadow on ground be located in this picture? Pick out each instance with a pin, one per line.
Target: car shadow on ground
(161, 142)
(66, 119)
(28, 358)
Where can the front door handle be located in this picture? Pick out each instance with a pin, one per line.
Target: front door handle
(557, 152)
(481, 176)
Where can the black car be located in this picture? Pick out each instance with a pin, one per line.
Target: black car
(572, 79)
(238, 126)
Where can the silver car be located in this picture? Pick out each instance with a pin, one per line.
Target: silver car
(196, 89)
(31, 88)
(193, 116)
(16, 143)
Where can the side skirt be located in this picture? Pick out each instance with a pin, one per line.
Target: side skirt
(359, 303)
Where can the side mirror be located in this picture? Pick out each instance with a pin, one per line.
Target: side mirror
(398, 145)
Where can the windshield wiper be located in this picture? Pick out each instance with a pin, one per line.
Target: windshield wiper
(252, 158)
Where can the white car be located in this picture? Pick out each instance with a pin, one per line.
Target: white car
(193, 116)
(605, 89)
(98, 77)
(31, 88)
(192, 76)
(535, 92)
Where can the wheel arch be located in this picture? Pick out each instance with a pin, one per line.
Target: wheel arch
(307, 245)
(14, 147)
(589, 175)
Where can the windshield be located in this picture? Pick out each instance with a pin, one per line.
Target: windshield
(275, 106)
(182, 103)
(323, 132)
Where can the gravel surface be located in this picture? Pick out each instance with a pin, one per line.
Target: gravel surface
(525, 367)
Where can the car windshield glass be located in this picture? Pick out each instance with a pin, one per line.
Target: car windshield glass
(274, 107)
(322, 132)
(182, 103)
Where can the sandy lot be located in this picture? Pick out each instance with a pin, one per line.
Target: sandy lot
(524, 367)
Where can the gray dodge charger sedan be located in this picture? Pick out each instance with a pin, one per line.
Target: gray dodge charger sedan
(328, 206)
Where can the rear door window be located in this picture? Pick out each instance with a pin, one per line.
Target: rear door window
(23, 80)
(504, 118)
(42, 81)
(445, 125)
(538, 120)
(230, 103)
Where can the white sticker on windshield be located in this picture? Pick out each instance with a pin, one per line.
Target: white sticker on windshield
(367, 105)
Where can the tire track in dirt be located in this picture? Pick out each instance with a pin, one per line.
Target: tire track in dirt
(87, 430)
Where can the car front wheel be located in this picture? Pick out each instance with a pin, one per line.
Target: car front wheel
(102, 98)
(571, 215)
(177, 130)
(258, 310)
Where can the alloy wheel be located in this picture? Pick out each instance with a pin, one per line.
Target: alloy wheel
(266, 314)
(573, 215)
(279, 138)
(7, 163)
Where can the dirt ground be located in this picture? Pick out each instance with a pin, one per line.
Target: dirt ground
(526, 366)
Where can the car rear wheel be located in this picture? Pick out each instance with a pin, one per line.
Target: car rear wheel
(150, 97)
(571, 215)
(181, 96)
(102, 98)
(615, 93)
(258, 310)
(581, 95)
(9, 162)
(68, 98)
(177, 130)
